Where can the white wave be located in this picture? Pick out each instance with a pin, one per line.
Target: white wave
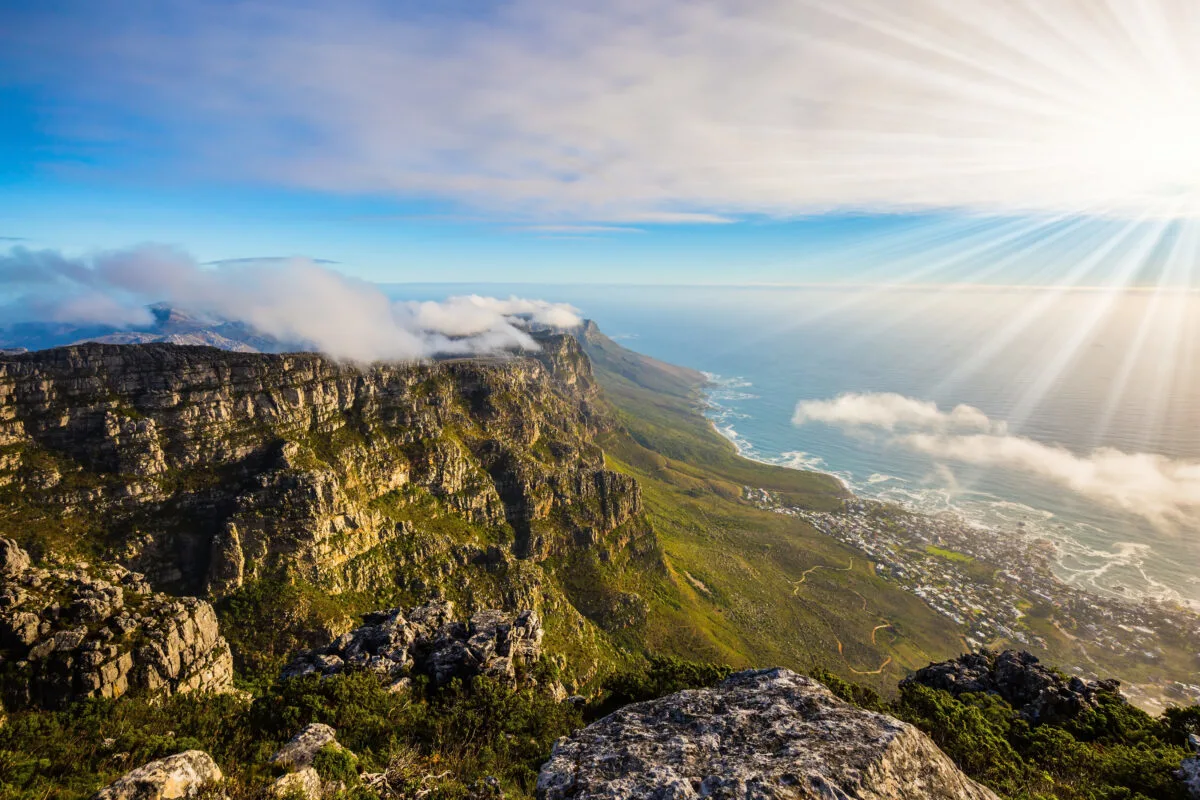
(798, 459)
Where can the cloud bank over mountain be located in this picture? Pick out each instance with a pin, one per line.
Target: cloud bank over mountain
(295, 301)
(1162, 490)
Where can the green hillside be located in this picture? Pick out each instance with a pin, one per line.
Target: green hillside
(747, 586)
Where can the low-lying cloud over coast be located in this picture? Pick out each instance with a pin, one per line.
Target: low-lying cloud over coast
(297, 301)
(1162, 490)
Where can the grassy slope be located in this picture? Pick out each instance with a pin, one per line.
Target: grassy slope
(733, 592)
(748, 560)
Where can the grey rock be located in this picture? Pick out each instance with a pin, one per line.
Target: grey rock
(297, 757)
(93, 632)
(304, 783)
(1189, 770)
(1038, 693)
(179, 776)
(1189, 773)
(759, 734)
(428, 640)
(13, 560)
(298, 753)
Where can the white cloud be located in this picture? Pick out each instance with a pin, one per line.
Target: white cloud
(294, 300)
(892, 412)
(652, 110)
(1163, 490)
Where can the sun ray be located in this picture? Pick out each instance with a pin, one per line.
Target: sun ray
(1066, 350)
(1042, 303)
(1165, 300)
(1174, 364)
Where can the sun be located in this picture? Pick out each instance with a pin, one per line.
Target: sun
(1146, 154)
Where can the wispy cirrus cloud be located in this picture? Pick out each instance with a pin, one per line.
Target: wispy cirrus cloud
(646, 111)
(227, 262)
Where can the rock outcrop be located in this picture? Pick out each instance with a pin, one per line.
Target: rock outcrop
(1189, 770)
(297, 757)
(428, 640)
(179, 776)
(302, 748)
(206, 469)
(67, 633)
(759, 734)
(1037, 692)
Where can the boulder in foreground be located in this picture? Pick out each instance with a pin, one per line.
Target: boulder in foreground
(759, 734)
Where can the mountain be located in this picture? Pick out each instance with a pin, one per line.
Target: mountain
(169, 325)
(452, 563)
(220, 474)
(499, 482)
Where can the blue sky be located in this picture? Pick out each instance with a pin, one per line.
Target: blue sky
(64, 192)
(628, 142)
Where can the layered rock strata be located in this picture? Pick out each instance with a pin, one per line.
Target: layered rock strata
(205, 470)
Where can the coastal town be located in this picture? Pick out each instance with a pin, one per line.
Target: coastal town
(1000, 588)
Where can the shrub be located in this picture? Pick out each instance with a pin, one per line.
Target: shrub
(335, 763)
(662, 675)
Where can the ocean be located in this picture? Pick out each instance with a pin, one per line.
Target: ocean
(1092, 401)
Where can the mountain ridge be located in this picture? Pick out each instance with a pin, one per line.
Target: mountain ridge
(320, 507)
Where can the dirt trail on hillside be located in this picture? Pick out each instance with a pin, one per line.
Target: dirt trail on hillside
(804, 575)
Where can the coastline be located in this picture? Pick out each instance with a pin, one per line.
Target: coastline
(1029, 523)
(931, 560)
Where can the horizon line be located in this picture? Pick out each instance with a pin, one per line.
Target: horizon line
(948, 287)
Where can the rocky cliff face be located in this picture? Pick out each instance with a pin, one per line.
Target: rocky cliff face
(206, 469)
(760, 734)
(78, 631)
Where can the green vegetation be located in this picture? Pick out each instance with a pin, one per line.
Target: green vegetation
(267, 622)
(461, 734)
(1114, 751)
(337, 764)
(739, 586)
(661, 676)
(949, 555)
(457, 740)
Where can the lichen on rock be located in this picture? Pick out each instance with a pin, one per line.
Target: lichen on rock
(759, 734)
(182, 775)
